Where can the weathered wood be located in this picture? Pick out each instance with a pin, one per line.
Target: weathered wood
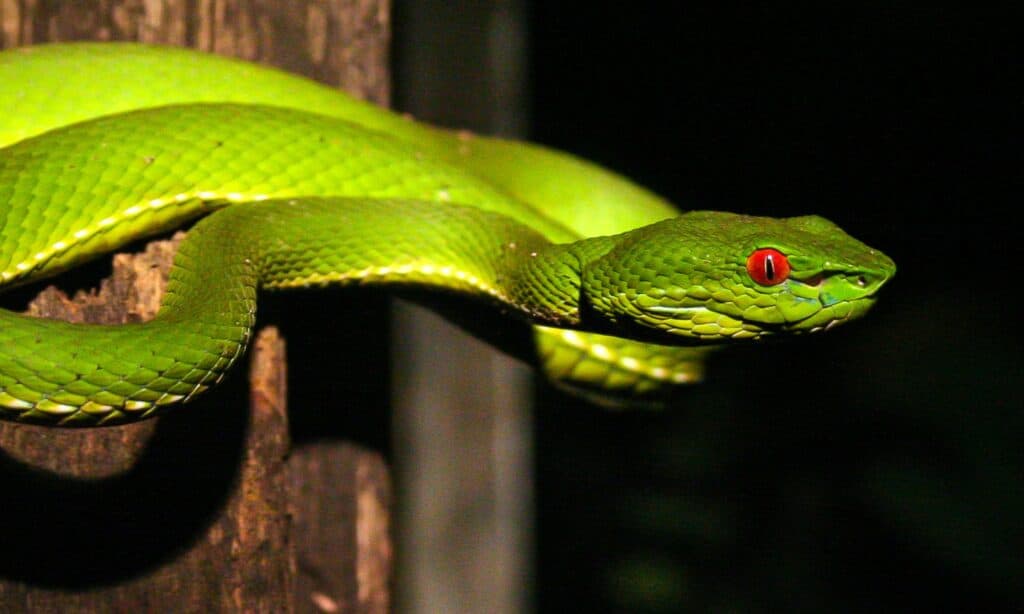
(96, 519)
(338, 42)
(332, 480)
(466, 527)
(202, 510)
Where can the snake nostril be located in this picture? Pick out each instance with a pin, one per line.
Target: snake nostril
(862, 281)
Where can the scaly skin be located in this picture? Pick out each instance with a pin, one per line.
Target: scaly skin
(53, 85)
(355, 194)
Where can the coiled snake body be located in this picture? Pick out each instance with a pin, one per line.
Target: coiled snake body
(106, 143)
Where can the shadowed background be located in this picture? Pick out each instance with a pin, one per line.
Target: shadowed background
(879, 467)
(874, 468)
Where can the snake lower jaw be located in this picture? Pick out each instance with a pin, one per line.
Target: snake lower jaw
(692, 325)
(826, 318)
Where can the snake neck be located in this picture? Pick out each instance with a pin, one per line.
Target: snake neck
(310, 242)
(548, 282)
(205, 321)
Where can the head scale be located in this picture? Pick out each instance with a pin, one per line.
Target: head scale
(714, 277)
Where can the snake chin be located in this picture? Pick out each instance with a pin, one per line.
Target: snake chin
(689, 323)
(831, 316)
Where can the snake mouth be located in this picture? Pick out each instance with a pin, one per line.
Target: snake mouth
(667, 310)
(700, 323)
(827, 317)
(709, 324)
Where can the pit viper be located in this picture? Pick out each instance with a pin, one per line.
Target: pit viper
(105, 143)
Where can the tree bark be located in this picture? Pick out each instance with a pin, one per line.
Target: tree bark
(211, 508)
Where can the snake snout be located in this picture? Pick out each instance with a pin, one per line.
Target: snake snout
(851, 286)
(870, 281)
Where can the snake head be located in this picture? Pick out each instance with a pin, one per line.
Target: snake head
(714, 277)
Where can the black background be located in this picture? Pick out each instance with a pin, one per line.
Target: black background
(875, 468)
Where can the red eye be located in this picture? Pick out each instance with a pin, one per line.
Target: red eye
(768, 266)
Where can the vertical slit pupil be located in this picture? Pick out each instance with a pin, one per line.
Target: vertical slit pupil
(769, 267)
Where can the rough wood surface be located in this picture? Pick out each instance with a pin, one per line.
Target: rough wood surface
(207, 509)
(339, 42)
(183, 508)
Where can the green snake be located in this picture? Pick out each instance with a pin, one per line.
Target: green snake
(101, 144)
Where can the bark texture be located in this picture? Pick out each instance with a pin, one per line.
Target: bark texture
(211, 508)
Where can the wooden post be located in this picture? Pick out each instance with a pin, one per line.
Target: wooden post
(211, 508)
(465, 527)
